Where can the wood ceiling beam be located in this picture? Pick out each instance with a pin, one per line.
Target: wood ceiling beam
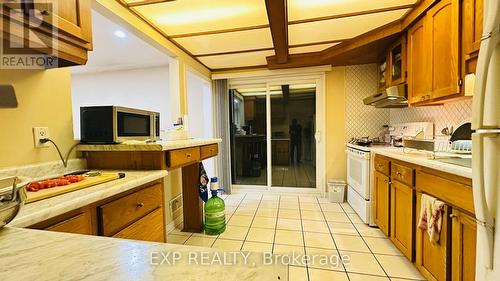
(277, 15)
(353, 14)
(297, 60)
(147, 2)
(211, 32)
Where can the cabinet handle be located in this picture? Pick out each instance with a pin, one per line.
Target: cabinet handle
(45, 13)
(398, 174)
(453, 216)
(188, 155)
(139, 205)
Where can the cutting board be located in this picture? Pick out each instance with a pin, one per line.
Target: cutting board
(33, 196)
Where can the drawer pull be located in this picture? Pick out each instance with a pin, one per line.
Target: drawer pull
(139, 205)
(188, 155)
(399, 174)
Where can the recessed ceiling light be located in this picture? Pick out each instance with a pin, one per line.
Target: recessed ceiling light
(120, 34)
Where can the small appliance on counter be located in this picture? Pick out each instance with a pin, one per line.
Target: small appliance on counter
(115, 124)
(12, 197)
(413, 130)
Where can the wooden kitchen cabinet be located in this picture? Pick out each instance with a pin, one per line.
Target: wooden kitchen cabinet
(472, 30)
(381, 199)
(418, 79)
(148, 228)
(79, 221)
(397, 62)
(402, 217)
(118, 214)
(383, 73)
(432, 259)
(65, 23)
(463, 246)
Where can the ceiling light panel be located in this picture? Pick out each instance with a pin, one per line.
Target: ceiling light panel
(227, 42)
(311, 48)
(338, 29)
(237, 60)
(304, 9)
(182, 17)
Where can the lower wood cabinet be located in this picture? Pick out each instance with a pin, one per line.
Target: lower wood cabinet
(79, 224)
(431, 259)
(149, 228)
(463, 246)
(402, 218)
(381, 197)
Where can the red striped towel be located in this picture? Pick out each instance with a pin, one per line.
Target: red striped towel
(433, 208)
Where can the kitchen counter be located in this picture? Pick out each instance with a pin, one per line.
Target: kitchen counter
(422, 159)
(42, 255)
(44, 209)
(156, 146)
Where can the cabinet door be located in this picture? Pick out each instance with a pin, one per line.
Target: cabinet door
(402, 214)
(148, 228)
(397, 62)
(472, 29)
(79, 224)
(463, 247)
(381, 194)
(71, 17)
(441, 25)
(431, 259)
(418, 70)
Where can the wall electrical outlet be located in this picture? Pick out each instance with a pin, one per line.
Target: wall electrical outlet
(40, 133)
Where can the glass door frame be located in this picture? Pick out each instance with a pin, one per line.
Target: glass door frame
(317, 78)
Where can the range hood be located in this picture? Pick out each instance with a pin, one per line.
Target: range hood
(393, 97)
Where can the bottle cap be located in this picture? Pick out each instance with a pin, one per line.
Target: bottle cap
(213, 179)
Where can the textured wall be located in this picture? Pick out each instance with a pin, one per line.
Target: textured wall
(449, 115)
(362, 120)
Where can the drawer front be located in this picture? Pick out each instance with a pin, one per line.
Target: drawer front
(79, 224)
(402, 174)
(180, 157)
(382, 165)
(149, 228)
(122, 212)
(208, 151)
(452, 192)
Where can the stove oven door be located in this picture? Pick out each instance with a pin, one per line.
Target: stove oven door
(358, 172)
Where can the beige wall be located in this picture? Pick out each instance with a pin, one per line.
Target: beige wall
(44, 99)
(335, 124)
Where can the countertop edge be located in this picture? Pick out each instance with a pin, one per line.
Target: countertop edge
(431, 164)
(108, 190)
(161, 146)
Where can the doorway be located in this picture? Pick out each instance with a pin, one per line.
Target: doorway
(274, 137)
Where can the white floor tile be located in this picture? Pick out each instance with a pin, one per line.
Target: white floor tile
(227, 245)
(364, 263)
(350, 243)
(332, 207)
(364, 277)
(399, 267)
(315, 226)
(297, 273)
(289, 237)
(308, 199)
(289, 224)
(268, 213)
(382, 246)
(319, 240)
(260, 235)
(260, 247)
(368, 231)
(324, 259)
(324, 275)
(312, 215)
(342, 228)
(177, 239)
(237, 220)
(263, 222)
(336, 217)
(289, 214)
(310, 206)
(295, 254)
(200, 241)
(234, 232)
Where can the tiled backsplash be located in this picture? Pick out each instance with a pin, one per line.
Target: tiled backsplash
(451, 114)
(362, 120)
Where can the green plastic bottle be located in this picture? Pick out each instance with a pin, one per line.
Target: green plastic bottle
(215, 212)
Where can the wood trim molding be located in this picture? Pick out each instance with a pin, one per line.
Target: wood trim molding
(278, 20)
(353, 14)
(211, 32)
(251, 67)
(147, 2)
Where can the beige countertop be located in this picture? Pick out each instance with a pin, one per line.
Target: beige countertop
(44, 209)
(156, 146)
(422, 159)
(28, 254)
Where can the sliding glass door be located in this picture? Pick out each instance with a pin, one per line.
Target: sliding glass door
(273, 135)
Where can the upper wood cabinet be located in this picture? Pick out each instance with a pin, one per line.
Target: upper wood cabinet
(433, 55)
(418, 79)
(397, 62)
(65, 23)
(472, 29)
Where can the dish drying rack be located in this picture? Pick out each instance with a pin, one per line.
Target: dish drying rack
(433, 147)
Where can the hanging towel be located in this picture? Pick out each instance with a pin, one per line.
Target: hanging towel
(431, 217)
(202, 186)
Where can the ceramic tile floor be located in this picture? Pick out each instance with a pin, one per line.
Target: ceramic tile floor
(286, 224)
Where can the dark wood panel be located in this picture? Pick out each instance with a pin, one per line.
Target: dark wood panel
(192, 204)
(277, 15)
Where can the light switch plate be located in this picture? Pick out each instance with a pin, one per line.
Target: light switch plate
(38, 134)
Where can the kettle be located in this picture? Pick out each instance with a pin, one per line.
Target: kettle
(12, 197)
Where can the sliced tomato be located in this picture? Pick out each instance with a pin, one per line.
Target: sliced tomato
(34, 186)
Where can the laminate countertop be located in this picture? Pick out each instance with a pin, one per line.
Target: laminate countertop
(422, 159)
(28, 254)
(142, 146)
(51, 207)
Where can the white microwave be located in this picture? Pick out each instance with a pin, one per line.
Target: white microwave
(114, 124)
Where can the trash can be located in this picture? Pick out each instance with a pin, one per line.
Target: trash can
(336, 191)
